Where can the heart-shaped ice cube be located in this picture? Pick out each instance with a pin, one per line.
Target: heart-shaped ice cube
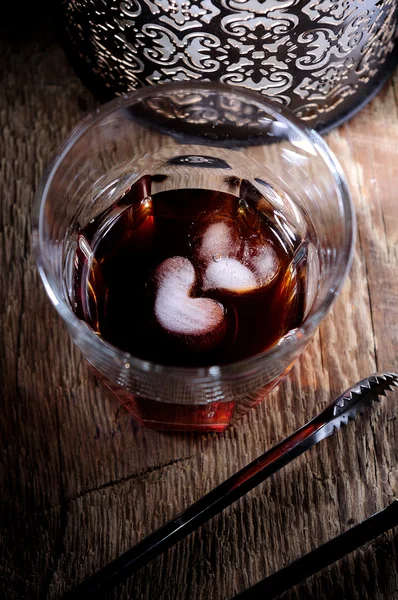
(177, 312)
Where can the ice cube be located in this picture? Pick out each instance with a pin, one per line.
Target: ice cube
(265, 264)
(229, 274)
(175, 310)
(218, 241)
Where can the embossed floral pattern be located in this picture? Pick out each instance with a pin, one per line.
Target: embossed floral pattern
(312, 55)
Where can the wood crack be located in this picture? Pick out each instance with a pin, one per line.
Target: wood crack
(109, 484)
(364, 258)
(131, 477)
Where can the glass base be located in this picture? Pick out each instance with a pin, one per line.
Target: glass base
(167, 416)
(153, 414)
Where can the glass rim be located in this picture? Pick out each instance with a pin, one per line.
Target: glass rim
(86, 334)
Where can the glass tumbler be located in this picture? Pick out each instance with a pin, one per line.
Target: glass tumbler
(202, 136)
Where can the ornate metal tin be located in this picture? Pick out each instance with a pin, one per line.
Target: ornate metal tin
(321, 58)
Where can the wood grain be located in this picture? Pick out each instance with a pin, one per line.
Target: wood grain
(80, 481)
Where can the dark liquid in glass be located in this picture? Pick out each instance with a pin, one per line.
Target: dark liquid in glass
(189, 278)
(218, 235)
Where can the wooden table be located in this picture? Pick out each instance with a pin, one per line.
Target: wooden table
(81, 481)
